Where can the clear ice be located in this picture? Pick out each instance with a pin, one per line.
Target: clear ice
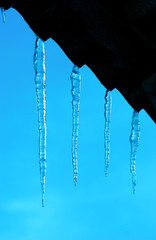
(3, 13)
(75, 91)
(107, 114)
(39, 66)
(134, 140)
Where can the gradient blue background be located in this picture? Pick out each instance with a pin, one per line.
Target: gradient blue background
(98, 208)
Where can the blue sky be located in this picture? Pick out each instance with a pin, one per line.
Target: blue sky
(98, 208)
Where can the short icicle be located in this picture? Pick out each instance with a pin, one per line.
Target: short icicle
(134, 140)
(75, 91)
(3, 14)
(39, 66)
(107, 115)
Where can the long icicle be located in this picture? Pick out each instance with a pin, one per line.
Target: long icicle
(134, 140)
(75, 91)
(107, 115)
(39, 66)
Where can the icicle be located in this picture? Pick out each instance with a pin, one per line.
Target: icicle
(39, 66)
(75, 91)
(107, 114)
(3, 14)
(134, 140)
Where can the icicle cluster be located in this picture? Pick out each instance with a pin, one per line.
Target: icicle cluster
(39, 66)
(3, 14)
(134, 140)
(107, 114)
(75, 91)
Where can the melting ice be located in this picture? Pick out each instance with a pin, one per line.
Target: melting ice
(134, 140)
(39, 66)
(107, 114)
(75, 91)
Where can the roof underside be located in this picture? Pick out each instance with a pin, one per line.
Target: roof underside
(115, 39)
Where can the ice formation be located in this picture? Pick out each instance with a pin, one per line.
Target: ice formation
(107, 114)
(134, 140)
(3, 13)
(75, 91)
(39, 66)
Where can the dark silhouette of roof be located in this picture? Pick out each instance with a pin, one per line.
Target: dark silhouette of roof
(115, 39)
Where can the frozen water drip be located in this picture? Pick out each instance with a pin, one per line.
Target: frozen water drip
(75, 91)
(107, 115)
(39, 66)
(3, 14)
(134, 140)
